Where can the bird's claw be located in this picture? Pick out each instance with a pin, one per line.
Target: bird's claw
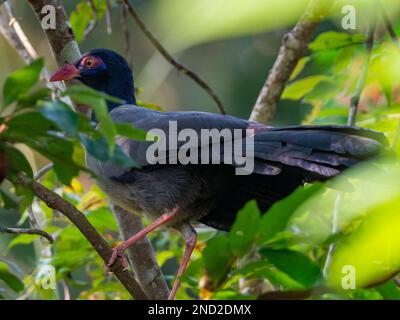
(118, 253)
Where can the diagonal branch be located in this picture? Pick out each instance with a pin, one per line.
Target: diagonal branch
(56, 202)
(180, 67)
(34, 231)
(293, 48)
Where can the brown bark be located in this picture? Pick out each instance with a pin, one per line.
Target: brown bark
(294, 47)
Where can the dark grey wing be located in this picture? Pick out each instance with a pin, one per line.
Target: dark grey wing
(147, 120)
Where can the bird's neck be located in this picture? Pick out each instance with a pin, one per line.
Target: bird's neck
(122, 89)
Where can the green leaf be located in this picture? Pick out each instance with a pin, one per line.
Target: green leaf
(217, 257)
(244, 230)
(29, 125)
(80, 19)
(9, 199)
(96, 146)
(61, 152)
(299, 67)
(84, 94)
(97, 100)
(17, 161)
(22, 239)
(371, 253)
(10, 279)
(333, 40)
(20, 81)
(62, 115)
(129, 131)
(277, 217)
(298, 89)
(298, 266)
(389, 290)
(30, 100)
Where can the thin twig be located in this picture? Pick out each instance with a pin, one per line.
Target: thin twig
(108, 17)
(369, 43)
(38, 232)
(42, 171)
(180, 67)
(293, 48)
(127, 35)
(388, 24)
(93, 22)
(12, 36)
(56, 202)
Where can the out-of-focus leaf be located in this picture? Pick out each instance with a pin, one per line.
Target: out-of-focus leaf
(80, 19)
(84, 94)
(20, 81)
(295, 264)
(28, 125)
(333, 40)
(30, 100)
(17, 161)
(300, 88)
(60, 152)
(371, 253)
(277, 217)
(389, 290)
(103, 219)
(97, 101)
(244, 230)
(129, 131)
(62, 115)
(21, 239)
(98, 148)
(9, 199)
(299, 67)
(217, 257)
(10, 279)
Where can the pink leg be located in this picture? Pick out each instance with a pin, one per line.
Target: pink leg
(190, 237)
(118, 251)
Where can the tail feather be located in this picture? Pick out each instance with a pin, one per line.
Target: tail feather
(324, 151)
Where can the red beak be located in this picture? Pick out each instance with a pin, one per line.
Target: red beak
(67, 72)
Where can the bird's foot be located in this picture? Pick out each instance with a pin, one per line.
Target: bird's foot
(118, 253)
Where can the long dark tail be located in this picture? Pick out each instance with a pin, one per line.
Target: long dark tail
(298, 155)
(321, 151)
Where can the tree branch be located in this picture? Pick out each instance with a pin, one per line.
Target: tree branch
(38, 232)
(16, 41)
(56, 202)
(180, 67)
(293, 48)
(142, 255)
(127, 35)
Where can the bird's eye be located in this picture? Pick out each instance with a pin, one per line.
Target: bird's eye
(88, 63)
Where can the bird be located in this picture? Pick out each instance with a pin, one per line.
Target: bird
(176, 195)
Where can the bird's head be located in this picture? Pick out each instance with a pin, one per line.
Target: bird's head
(103, 70)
